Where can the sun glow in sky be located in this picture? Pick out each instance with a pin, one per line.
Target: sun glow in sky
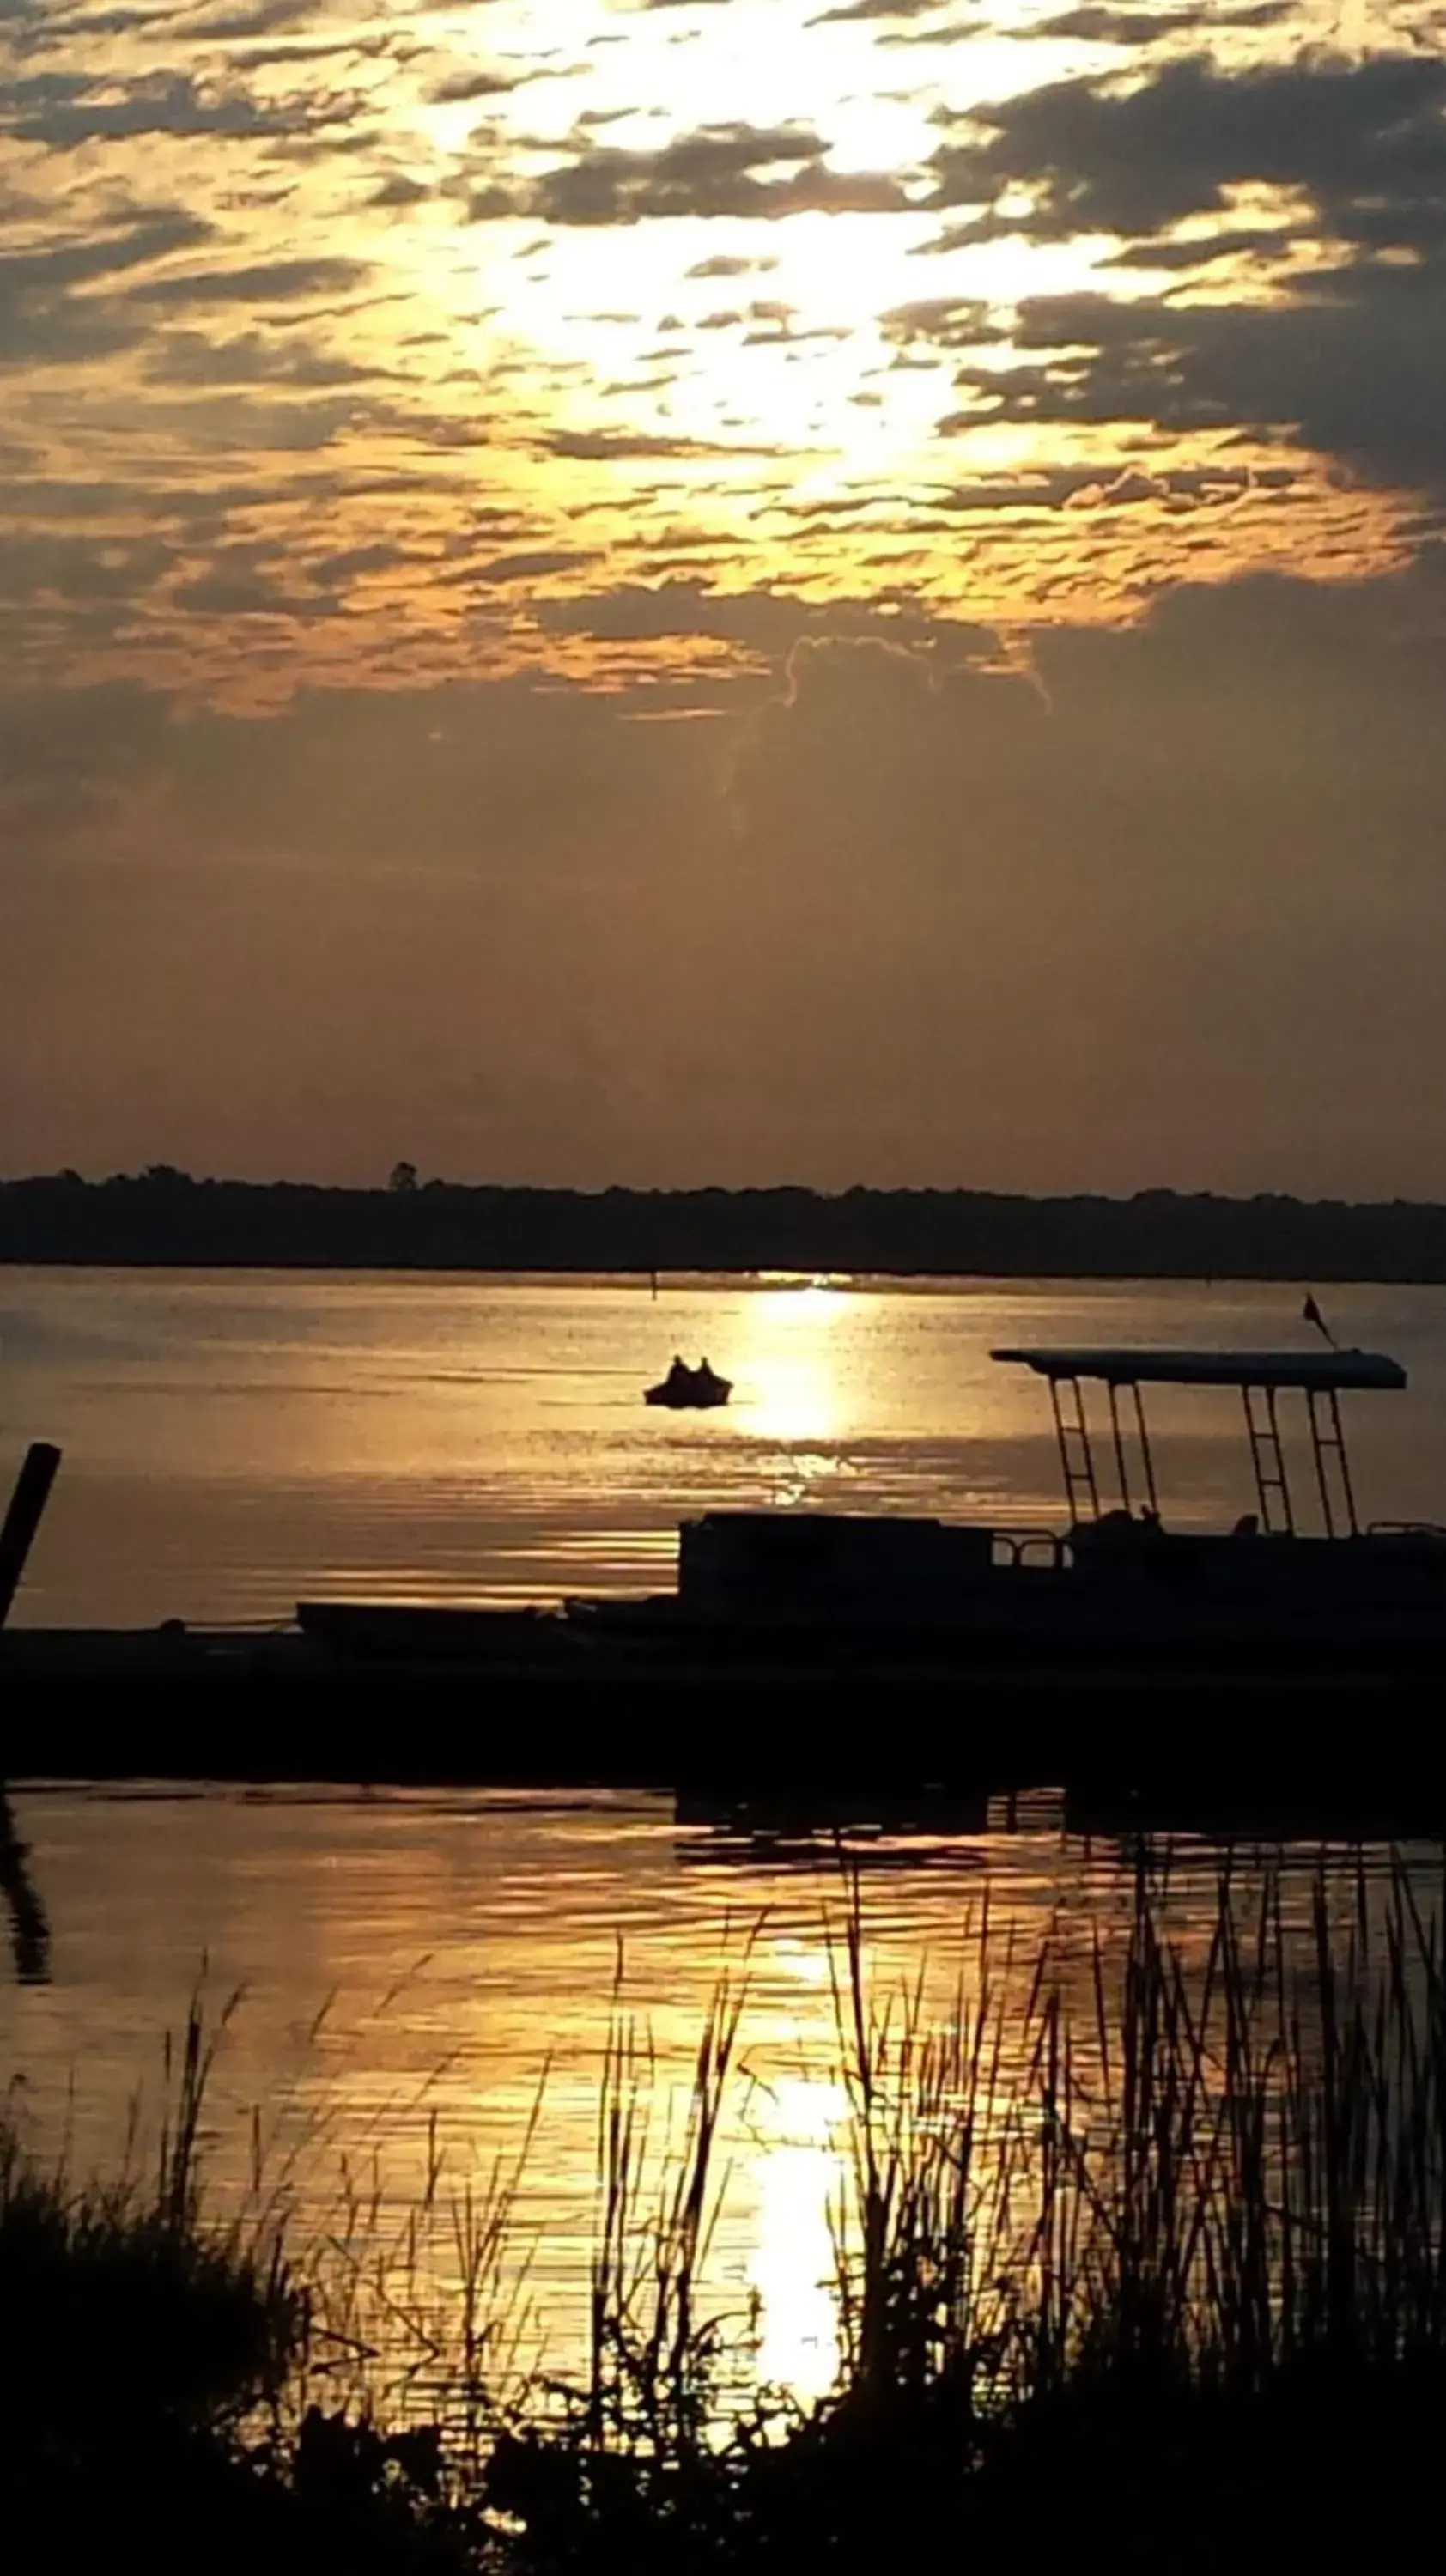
(839, 491)
(404, 333)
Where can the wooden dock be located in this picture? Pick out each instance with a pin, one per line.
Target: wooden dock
(181, 1703)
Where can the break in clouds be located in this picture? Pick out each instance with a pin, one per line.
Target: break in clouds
(665, 589)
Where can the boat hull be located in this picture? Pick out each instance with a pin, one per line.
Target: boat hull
(648, 1649)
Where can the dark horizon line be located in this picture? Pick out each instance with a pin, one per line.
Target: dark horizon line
(163, 1176)
(163, 1219)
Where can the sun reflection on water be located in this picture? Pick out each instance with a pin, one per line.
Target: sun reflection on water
(799, 2176)
(790, 1364)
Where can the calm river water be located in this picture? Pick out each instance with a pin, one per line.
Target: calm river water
(413, 1967)
(233, 1442)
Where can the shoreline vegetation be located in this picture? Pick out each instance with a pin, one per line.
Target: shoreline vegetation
(164, 1218)
(1156, 2280)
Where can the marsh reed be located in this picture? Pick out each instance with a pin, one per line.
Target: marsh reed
(1209, 2172)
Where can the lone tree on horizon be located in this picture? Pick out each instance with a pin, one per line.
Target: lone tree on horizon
(404, 1178)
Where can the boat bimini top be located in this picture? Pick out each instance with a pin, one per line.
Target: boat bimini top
(1260, 1376)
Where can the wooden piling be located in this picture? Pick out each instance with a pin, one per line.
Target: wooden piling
(22, 1520)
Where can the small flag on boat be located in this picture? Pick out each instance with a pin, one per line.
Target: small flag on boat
(1311, 1314)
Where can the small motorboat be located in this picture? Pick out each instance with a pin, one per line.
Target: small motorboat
(685, 1389)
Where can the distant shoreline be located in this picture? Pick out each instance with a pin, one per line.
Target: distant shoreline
(524, 1274)
(165, 1220)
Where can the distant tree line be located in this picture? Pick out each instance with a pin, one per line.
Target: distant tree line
(162, 1216)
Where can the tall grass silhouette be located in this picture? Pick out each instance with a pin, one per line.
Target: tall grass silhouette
(1171, 2194)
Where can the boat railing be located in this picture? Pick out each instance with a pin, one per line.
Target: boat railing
(1407, 1529)
(1032, 1547)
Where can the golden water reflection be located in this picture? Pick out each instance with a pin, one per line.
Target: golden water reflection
(412, 1965)
(236, 1442)
(794, 1356)
(800, 2179)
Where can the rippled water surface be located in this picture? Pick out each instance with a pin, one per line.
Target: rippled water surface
(235, 1442)
(413, 1967)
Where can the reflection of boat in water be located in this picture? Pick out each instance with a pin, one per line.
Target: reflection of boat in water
(878, 1828)
(690, 1390)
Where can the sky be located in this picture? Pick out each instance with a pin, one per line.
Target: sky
(675, 591)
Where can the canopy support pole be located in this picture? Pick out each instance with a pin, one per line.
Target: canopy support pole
(1122, 1467)
(1145, 1453)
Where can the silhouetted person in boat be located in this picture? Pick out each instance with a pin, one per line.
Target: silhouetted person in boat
(680, 1372)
